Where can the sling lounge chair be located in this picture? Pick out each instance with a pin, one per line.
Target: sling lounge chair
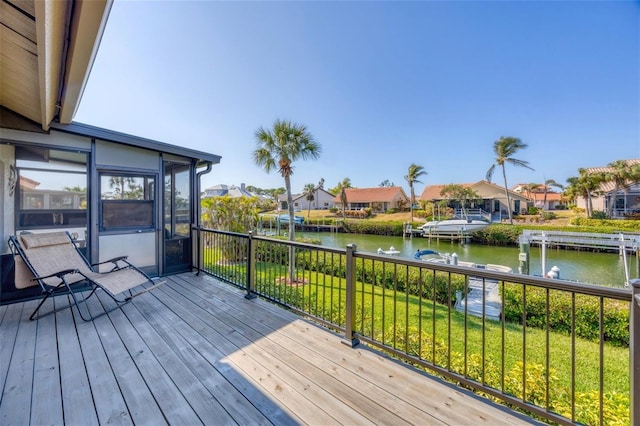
(60, 268)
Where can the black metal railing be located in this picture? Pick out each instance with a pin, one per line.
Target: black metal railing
(562, 351)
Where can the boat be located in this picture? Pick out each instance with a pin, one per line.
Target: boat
(297, 220)
(453, 226)
(391, 252)
(480, 289)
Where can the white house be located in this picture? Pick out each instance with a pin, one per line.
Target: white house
(322, 200)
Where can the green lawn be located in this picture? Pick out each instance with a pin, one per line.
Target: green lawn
(390, 316)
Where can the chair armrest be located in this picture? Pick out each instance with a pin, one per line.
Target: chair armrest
(58, 274)
(114, 261)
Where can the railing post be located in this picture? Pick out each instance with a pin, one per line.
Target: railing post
(199, 251)
(350, 316)
(634, 352)
(251, 266)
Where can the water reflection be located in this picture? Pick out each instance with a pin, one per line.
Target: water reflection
(583, 266)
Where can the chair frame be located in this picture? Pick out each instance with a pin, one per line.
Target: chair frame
(64, 287)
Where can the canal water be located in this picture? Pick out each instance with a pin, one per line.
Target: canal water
(584, 266)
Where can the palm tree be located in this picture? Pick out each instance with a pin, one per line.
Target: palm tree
(620, 174)
(529, 189)
(413, 176)
(319, 187)
(547, 184)
(340, 189)
(344, 201)
(505, 148)
(280, 147)
(461, 194)
(308, 191)
(345, 183)
(585, 185)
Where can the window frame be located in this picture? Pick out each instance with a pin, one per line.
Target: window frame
(149, 200)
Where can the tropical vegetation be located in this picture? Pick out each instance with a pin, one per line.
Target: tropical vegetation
(505, 148)
(279, 147)
(412, 177)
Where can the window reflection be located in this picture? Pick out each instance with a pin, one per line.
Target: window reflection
(52, 190)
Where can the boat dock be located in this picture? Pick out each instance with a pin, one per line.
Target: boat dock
(410, 231)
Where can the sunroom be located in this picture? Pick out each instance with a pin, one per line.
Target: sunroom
(116, 194)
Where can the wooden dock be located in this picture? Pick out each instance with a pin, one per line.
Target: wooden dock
(195, 351)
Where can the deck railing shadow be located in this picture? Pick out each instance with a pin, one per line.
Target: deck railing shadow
(559, 351)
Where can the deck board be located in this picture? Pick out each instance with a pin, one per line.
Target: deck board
(19, 375)
(78, 402)
(46, 406)
(142, 406)
(195, 351)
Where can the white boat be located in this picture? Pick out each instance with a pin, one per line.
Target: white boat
(480, 289)
(391, 252)
(453, 226)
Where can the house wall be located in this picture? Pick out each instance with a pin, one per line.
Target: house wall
(318, 202)
(6, 199)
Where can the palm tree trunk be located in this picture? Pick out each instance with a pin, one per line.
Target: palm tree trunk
(413, 197)
(506, 192)
(292, 253)
(612, 203)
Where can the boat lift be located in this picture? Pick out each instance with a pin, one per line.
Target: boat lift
(619, 241)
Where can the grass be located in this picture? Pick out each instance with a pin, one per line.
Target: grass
(383, 313)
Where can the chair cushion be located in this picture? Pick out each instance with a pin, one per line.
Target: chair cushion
(30, 241)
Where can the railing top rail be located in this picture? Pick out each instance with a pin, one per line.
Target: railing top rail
(301, 245)
(623, 294)
(217, 231)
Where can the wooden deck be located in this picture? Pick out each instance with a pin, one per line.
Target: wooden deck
(196, 352)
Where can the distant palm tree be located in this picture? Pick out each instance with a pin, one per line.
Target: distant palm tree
(413, 176)
(345, 183)
(340, 189)
(586, 185)
(620, 173)
(319, 187)
(308, 191)
(547, 184)
(504, 149)
(344, 201)
(530, 188)
(280, 147)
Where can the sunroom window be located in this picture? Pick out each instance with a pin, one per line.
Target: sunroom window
(51, 190)
(127, 202)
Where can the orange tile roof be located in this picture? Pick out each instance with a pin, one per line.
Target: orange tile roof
(432, 192)
(551, 196)
(610, 186)
(373, 195)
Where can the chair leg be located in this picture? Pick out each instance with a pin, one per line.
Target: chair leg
(33, 314)
(50, 293)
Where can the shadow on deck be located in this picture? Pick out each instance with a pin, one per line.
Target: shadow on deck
(195, 351)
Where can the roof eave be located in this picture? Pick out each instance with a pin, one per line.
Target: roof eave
(87, 25)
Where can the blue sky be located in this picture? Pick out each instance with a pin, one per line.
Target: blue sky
(380, 85)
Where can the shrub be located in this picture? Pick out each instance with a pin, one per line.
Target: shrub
(606, 225)
(587, 311)
(598, 214)
(416, 343)
(374, 228)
